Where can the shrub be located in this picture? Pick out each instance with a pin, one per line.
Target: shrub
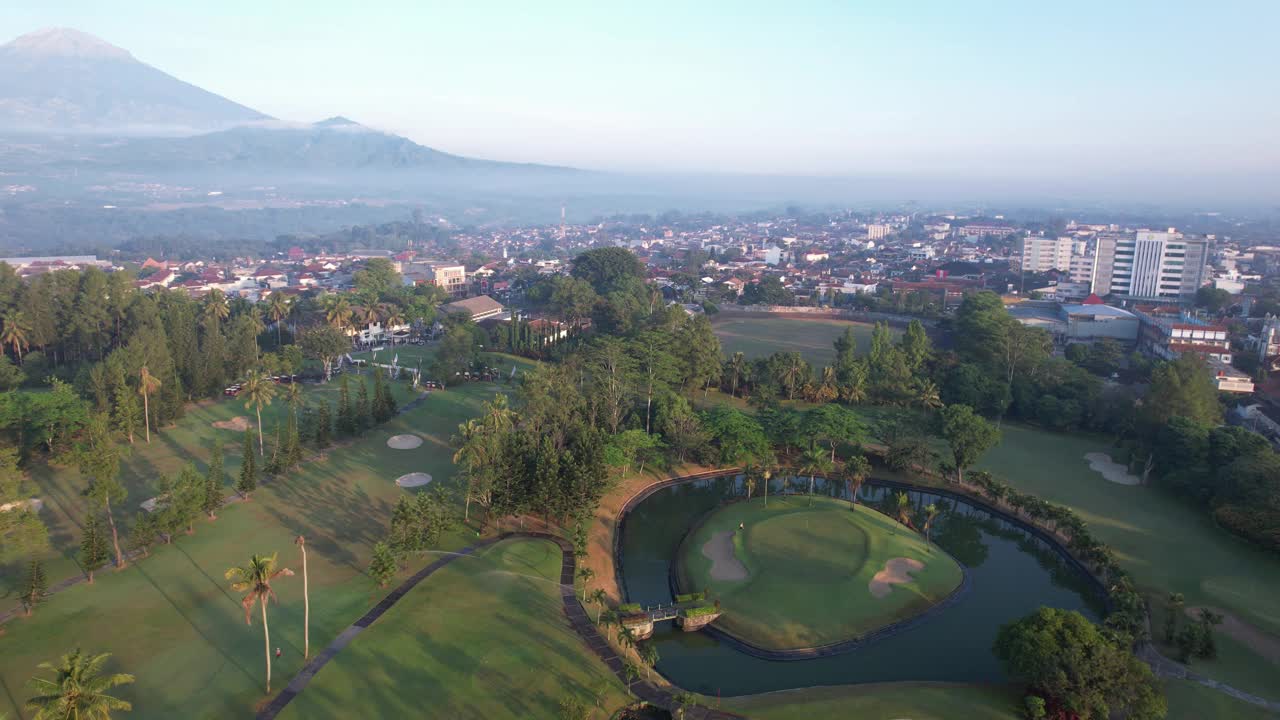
(700, 611)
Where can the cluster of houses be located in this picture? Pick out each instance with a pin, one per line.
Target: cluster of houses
(1082, 283)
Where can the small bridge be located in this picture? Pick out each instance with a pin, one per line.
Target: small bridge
(659, 613)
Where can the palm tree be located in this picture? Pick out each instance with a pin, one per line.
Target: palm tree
(625, 638)
(278, 308)
(147, 384)
(684, 701)
(814, 462)
(473, 452)
(338, 313)
(630, 672)
(585, 575)
(927, 395)
(648, 655)
(78, 692)
(598, 597)
(301, 542)
(391, 314)
(293, 395)
(258, 390)
(365, 314)
(904, 509)
(792, 373)
(14, 330)
(737, 371)
(255, 578)
(856, 472)
(930, 512)
(215, 309)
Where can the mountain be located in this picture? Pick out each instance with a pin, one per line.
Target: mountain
(62, 79)
(333, 144)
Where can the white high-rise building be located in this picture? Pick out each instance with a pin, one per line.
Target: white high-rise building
(878, 231)
(1150, 264)
(1042, 254)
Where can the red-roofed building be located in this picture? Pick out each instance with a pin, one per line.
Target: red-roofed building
(269, 274)
(296, 253)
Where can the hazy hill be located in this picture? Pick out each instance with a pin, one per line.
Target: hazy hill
(66, 80)
(333, 144)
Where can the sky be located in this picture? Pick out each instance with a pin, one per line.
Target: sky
(1010, 90)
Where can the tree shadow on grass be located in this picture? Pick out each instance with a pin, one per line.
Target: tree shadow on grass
(334, 516)
(185, 613)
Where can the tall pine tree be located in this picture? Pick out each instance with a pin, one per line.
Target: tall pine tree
(94, 551)
(346, 417)
(214, 480)
(248, 481)
(34, 587)
(362, 418)
(324, 425)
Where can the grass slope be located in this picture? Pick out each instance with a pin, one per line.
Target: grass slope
(483, 638)
(809, 568)
(1168, 545)
(761, 336)
(930, 701)
(171, 619)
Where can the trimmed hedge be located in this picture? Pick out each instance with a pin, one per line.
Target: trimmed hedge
(691, 597)
(630, 608)
(700, 611)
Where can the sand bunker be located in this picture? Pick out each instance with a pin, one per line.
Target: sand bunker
(1110, 469)
(896, 572)
(403, 442)
(724, 564)
(239, 423)
(413, 480)
(152, 504)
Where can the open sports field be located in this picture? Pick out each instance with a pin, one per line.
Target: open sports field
(795, 576)
(760, 336)
(175, 623)
(484, 637)
(1168, 545)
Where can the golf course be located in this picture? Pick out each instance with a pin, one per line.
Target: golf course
(799, 573)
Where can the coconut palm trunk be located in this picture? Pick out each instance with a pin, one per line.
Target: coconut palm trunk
(261, 451)
(266, 639)
(146, 415)
(306, 601)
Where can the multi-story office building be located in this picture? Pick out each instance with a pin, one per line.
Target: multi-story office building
(1150, 265)
(1042, 254)
(453, 278)
(878, 231)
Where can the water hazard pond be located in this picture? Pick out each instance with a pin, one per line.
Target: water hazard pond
(1011, 573)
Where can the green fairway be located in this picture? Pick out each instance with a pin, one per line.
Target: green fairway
(1168, 545)
(764, 335)
(937, 701)
(484, 637)
(190, 439)
(172, 621)
(798, 576)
